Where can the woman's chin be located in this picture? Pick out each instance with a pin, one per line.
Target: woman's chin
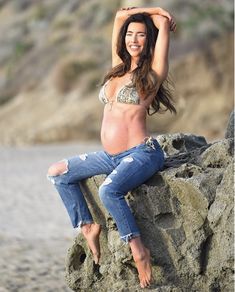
(134, 55)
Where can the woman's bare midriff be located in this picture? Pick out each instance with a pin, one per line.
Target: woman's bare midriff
(123, 127)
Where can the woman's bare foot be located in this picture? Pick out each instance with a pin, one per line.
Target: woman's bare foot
(142, 260)
(91, 232)
(143, 265)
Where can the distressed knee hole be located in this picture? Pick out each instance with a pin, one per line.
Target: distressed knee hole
(107, 181)
(83, 156)
(128, 159)
(58, 168)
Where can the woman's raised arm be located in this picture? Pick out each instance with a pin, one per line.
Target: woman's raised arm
(160, 59)
(119, 20)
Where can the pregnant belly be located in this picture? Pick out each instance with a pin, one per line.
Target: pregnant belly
(121, 132)
(114, 137)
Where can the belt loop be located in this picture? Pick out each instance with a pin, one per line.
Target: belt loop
(146, 139)
(149, 141)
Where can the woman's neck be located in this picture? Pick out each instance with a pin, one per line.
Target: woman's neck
(134, 63)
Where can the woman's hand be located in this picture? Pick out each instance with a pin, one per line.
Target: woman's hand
(160, 20)
(161, 11)
(124, 12)
(164, 13)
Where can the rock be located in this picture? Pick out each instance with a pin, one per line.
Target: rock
(219, 245)
(230, 127)
(219, 154)
(180, 143)
(185, 214)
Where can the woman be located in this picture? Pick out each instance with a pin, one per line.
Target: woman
(133, 86)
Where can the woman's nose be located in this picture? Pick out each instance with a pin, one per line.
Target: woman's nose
(134, 38)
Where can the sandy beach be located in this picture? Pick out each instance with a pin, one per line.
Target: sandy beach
(35, 231)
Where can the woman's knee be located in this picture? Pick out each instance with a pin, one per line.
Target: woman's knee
(103, 192)
(107, 191)
(58, 168)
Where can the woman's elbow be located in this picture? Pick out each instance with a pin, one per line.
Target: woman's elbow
(121, 15)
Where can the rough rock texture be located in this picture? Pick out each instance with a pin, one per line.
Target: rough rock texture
(230, 127)
(185, 214)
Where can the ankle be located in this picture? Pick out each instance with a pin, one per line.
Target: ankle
(139, 252)
(137, 246)
(139, 256)
(86, 228)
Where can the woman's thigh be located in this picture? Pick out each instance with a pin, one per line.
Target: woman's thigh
(87, 165)
(134, 170)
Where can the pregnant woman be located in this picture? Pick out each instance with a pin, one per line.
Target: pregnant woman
(131, 90)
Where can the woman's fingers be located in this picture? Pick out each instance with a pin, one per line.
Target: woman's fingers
(172, 25)
(167, 15)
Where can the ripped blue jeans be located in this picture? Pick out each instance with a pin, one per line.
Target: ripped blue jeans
(125, 171)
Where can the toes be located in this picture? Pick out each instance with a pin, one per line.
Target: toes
(144, 283)
(96, 257)
(96, 260)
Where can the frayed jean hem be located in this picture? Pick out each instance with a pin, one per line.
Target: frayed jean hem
(128, 237)
(81, 223)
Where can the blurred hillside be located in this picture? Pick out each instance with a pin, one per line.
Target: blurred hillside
(54, 53)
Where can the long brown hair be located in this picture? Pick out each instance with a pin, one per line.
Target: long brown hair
(144, 78)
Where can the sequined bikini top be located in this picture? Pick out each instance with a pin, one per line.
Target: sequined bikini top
(126, 94)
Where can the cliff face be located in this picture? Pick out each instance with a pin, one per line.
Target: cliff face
(185, 214)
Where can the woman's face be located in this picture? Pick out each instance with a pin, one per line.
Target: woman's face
(135, 39)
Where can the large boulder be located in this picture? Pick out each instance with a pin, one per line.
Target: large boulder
(230, 127)
(185, 214)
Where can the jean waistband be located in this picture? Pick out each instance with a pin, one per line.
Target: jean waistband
(150, 141)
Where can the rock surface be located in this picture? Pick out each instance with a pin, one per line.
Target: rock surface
(185, 214)
(230, 127)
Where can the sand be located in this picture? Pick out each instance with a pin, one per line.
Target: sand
(35, 230)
